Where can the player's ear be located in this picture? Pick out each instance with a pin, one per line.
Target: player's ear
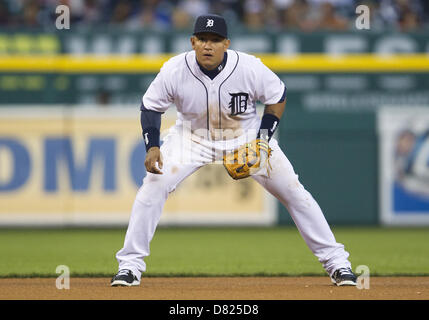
(193, 39)
(226, 43)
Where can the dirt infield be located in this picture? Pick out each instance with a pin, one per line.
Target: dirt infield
(216, 288)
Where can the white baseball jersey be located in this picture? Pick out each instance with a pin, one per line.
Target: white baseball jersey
(226, 102)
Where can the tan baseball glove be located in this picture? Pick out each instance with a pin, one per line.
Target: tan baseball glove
(247, 160)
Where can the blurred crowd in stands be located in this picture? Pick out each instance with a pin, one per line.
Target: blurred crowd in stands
(304, 15)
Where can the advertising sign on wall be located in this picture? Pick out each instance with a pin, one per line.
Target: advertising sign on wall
(83, 166)
(404, 165)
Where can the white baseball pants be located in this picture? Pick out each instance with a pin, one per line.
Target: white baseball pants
(182, 158)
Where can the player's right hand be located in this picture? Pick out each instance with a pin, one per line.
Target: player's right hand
(153, 157)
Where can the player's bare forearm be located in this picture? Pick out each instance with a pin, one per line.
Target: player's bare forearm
(275, 109)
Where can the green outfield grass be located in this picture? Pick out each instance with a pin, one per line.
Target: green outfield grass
(210, 251)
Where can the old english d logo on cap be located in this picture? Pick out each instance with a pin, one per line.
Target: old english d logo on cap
(211, 23)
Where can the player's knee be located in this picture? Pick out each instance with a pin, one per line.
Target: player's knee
(154, 189)
(295, 190)
(152, 196)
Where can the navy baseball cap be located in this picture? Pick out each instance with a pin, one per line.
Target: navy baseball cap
(211, 23)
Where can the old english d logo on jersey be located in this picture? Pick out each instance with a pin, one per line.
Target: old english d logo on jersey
(238, 103)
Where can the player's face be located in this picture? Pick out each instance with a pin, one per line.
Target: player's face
(209, 49)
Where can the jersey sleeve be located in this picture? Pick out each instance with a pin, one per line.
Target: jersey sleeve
(269, 88)
(159, 96)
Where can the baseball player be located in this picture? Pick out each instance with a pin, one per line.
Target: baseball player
(215, 91)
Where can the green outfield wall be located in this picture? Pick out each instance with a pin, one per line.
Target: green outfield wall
(116, 40)
(335, 157)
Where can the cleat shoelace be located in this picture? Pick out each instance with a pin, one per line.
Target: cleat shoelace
(123, 273)
(345, 271)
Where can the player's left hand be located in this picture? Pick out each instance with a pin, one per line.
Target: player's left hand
(248, 160)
